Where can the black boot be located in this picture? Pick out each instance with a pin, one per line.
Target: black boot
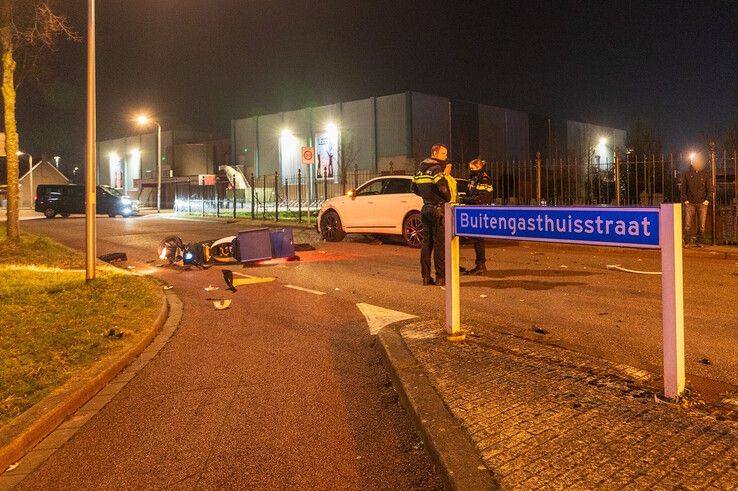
(479, 269)
(428, 281)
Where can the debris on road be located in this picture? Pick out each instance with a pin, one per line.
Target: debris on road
(705, 361)
(211, 288)
(626, 270)
(167, 287)
(222, 304)
(540, 330)
(483, 295)
(114, 257)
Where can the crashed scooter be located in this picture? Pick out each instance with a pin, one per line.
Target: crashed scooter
(248, 246)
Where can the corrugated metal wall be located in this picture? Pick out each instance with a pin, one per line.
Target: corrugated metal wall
(430, 120)
(503, 134)
(357, 132)
(269, 130)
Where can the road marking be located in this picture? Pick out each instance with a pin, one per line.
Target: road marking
(299, 288)
(379, 317)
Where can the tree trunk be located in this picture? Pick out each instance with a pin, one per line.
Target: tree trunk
(11, 131)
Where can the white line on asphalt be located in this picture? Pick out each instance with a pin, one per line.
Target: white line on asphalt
(244, 275)
(314, 292)
(379, 317)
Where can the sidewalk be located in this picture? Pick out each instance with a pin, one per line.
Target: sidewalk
(541, 416)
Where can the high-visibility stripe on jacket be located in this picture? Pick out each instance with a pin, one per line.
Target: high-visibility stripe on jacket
(430, 183)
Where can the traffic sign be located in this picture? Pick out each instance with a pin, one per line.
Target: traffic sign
(308, 155)
(622, 227)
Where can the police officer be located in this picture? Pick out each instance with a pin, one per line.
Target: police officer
(479, 192)
(430, 184)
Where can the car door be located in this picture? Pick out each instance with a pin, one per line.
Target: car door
(392, 205)
(358, 213)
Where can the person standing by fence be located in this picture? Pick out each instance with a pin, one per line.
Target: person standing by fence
(430, 184)
(696, 190)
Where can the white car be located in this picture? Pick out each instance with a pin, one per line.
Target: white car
(384, 205)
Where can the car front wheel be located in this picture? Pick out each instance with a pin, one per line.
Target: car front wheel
(331, 228)
(413, 230)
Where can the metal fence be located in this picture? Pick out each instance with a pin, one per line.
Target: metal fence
(633, 180)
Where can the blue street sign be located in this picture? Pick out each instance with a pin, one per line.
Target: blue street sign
(623, 227)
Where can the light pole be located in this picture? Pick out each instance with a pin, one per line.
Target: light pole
(144, 120)
(91, 162)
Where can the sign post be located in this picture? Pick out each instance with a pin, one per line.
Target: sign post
(308, 158)
(645, 227)
(672, 299)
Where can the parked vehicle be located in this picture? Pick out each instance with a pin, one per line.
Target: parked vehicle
(66, 199)
(384, 205)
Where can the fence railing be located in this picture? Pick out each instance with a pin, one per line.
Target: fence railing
(633, 180)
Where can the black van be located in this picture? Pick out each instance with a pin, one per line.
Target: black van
(65, 199)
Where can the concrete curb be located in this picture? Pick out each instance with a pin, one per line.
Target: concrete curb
(40, 420)
(458, 462)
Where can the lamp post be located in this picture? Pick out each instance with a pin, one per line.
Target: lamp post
(91, 162)
(30, 173)
(144, 120)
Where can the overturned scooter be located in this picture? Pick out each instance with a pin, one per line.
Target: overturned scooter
(248, 246)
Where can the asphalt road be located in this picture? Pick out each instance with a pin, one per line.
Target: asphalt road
(284, 389)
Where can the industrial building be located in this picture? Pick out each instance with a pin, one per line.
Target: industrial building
(129, 163)
(394, 132)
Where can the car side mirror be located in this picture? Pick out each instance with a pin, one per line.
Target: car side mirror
(351, 193)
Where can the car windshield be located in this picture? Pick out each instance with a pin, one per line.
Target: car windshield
(110, 190)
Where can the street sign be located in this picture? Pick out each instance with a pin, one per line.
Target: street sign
(621, 227)
(308, 155)
(657, 228)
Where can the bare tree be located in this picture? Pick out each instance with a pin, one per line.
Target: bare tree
(31, 29)
(348, 155)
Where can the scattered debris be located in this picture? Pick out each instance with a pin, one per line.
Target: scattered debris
(167, 287)
(114, 257)
(483, 295)
(12, 466)
(222, 304)
(228, 277)
(130, 267)
(563, 266)
(338, 289)
(211, 288)
(540, 330)
(113, 333)
(626, 270)
(705, 361)
(603, 313)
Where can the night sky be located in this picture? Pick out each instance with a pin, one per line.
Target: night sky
(200, 63)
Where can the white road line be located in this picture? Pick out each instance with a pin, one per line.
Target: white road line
(379, 317)
(314, 292)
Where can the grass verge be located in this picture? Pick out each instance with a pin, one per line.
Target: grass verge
(53, 324)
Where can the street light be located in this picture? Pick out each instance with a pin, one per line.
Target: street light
(144, 120)
(30, 172)
(90, 163)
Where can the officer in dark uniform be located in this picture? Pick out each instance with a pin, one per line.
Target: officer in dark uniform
(430, 184)
(479, 192)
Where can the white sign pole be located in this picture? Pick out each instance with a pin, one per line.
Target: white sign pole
(672, 299)
(453, 306)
